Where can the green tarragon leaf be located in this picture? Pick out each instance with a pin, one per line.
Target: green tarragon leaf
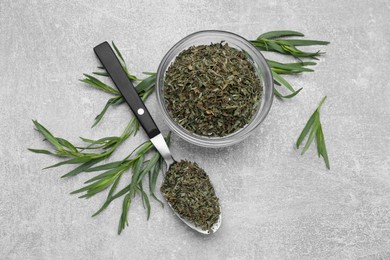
(313, 126)
(278, 34)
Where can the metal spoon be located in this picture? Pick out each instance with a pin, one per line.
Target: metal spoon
(113, 67)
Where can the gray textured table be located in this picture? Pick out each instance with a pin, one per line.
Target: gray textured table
(276, 203)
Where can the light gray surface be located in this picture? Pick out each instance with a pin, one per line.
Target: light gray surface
(276, 203)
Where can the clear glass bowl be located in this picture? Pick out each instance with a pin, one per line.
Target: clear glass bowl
(260, 65)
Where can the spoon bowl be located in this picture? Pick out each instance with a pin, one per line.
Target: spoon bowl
(213, 229)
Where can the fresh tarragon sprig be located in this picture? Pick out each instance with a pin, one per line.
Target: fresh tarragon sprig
(277, 41)
(143, 161)
(137, 162)
(314, 127)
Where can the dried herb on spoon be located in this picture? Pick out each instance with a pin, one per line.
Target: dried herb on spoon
(188, 189)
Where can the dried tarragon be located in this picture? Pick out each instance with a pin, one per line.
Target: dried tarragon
(188, 189)
(212, 90)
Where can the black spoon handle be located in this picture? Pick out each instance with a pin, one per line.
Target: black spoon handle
(113, 67)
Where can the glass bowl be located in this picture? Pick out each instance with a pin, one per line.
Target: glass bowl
(262, 69)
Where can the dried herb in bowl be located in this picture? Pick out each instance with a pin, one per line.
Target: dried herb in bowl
(212, 90)
(188, 189)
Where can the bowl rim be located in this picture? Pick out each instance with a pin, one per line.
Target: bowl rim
(205, 141)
